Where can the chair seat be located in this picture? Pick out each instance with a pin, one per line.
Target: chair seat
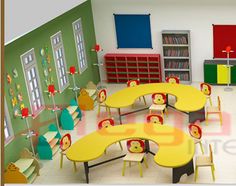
(157, 107)
(64, 152)
(203, 161)
(212, 110)
(137, 157)
(102, 104)
(196, 140)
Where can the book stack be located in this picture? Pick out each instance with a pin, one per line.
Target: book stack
(175, 39)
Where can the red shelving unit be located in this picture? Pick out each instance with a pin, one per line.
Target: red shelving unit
(123, 67)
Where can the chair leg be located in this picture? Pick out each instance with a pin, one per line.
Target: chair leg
(150, 111)
(210, 101)
(109, 111)
(74, 166)
(129, 163)
(200, 143)
(221, 121)
(166, 112)
(61, 162)
(120, 145)
(144, 100)
(140, 169)
(123, 170)
(162, 114)
(196, 173)
(139, 99)
(145, 161)
(212, 172)
(99, 108)
(206, 118)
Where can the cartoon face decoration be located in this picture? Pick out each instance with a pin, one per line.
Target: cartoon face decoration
(172, 80)
(102, 95)
(133, 83)
(51, 89)
(20, 97)
(135, 146)
(9, 79)
(65, 142)
(206, 88)
(195, 131)
(14, 101)
(159, 98)
(155, 119)
(106, 123)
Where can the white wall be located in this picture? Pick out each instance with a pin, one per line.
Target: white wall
(195, 15)
(23, 16)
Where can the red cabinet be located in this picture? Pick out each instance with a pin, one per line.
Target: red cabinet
(123, 67)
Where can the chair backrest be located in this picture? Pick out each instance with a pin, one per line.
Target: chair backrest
(172, 80)
(211, 153)
(159, 98)
(106, 123)
(155, 119)
(65, 142)
(135, 146)
(133, 83)
(195, 131)
(102, 95)
(219, 103)
(205, 88)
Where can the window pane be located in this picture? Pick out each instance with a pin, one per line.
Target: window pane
(29, 75)
(33, 72)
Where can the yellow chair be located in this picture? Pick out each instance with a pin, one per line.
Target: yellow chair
(65, 143)
(133, 83)
(155, 119)
(158, 104)
(101, 98)
(206, 89)
(109, 122)
(196, 132)
(204, 161)
(214, 110)
(136, 148)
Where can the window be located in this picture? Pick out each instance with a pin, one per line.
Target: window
(60, 61)
(8, 132)
(79, 43)
(30, 69)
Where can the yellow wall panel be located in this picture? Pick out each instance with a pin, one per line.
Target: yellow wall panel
(222, 74)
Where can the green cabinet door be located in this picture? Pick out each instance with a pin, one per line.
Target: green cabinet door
(233, 74)
(210, 73)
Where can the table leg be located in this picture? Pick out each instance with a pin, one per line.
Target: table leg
(119, 115)
(147, 146)
(179, 171)
(197, 115)
(86, 170)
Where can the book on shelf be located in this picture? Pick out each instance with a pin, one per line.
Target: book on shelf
(176, 65)
(174, 39)
(179, 52)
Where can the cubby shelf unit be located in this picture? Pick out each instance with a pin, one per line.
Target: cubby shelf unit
(177, 55)
(123, 67)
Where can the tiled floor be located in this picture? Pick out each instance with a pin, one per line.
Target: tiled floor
(222, 138)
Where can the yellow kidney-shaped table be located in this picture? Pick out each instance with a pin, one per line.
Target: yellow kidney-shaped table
(189, 99)
(175, 148)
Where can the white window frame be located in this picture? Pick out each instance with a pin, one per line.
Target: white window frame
(80, 45)
(61, 68)
(7, 125)
(33, 97)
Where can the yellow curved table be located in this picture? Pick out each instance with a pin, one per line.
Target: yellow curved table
(175, 148)
(189, 99)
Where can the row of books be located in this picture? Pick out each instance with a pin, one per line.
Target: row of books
(172, 39)
(184, 76)
(179, 52)
(177, 65)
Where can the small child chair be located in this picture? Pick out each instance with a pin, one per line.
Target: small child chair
(172, 80)
(214, 110)
(133, 83)
(109, 122)
(101, 98)
(158, 103)
(65, 143)
(204, 161)
(155, 119)
(196, 132)
(136, 148)
(206, 89)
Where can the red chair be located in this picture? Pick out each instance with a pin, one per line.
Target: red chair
(136, 153)
(206, 89)
(133, 83)
(158, 103)
(101, 98)
(155, 119)
(172, 80)
(196, 132)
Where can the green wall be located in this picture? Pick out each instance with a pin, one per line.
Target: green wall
(37, 39)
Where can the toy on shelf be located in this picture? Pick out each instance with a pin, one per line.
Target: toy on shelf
(51, 90)
(228, 51)
(85, 102)
(30, 133)
(49, 143)
(96, 48)
(75, 89)
(70, 116)
(24, 170)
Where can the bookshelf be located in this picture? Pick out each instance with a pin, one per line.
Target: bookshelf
(123, 67)
(177, 55)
